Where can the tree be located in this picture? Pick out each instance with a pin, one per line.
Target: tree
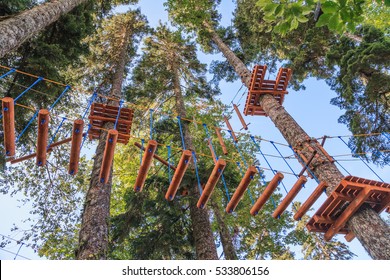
(368, 227)
(116, 39)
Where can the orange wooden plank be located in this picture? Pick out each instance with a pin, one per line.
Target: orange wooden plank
(43, 135)
(145, 165)
(289, 197)
(310, 201)
(244, 125)
(266, 194)
(212, 181)
(230, 128)
(179, 174)
(221, 142)
(9, 126)
(347, 213)
(349, 236)
(77, 137)
(108, 156)
(160, 159)
(251, 171)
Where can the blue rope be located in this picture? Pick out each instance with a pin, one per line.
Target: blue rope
(360, 158)
(55, 133)
(151, 124)
(211, 141)
(8, 73)
(119, 112)
(387, 135)
(258, 147)
(27, 126)
(91, 100)
(169, 163)
(59, 97)
(181, 133)
(226, 189)
(27, 89)
(140, 154)
(284, 158)
(197, 173)
(304, 164)
(238, 149)
(85, 136)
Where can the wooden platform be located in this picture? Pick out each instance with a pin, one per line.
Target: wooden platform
(352, 190)
(259, 86)
(101, 113)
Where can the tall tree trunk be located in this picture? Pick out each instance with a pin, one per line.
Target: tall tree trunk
(93, 237)
(17, 29)
(226, 239)
(203, 236)
(376, 241)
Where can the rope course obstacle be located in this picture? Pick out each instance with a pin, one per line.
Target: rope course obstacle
(331, 217)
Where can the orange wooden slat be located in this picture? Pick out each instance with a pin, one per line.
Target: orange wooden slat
(310, 201)
(230, 128)
(77, 137)
(160, 159)
(244, 125)
(145, 165)
(178, 175)
(108, 156)
(9, 126)
(221, 142)
(43, 135)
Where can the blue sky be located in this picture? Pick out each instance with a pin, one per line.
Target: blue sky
(310, 108)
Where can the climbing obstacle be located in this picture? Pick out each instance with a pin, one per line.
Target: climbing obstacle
(332, 216)
(212, 181)
(77, 136)
(178, 175)
(108, 156)
(145, 165)
(244, 125)
(43, 135)
(310, 201)
(160, 159)
(221, 142)
(230, 129)
(9, 126)
(259, 86)
(102, 113)
(251, 171)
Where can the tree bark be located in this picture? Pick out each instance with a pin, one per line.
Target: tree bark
(226, 239)
(203, 235)
(93, 237)
(377, 242)
(17, 29)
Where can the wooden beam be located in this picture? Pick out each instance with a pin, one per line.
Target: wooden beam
(251, 171)
(212, 181)
(221, 142)
(108, 156)
(310, 201)
(9, 126)
(178, 175)
(266, 194)
(230, 128)
(77, 137)
(145, 165)
(43, 135)
(244, 125)
(289, 197)
(160, 159)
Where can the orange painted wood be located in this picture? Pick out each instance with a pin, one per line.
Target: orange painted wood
(230, 128)
(77, 137)
(178, 175)
(251, 171)
(266, 194)
(310, 201)
(212, 181)
(145, 165)
(325, 152)
(349, 236)
(108, 156)
(347, 213)
(9, 126)
(289, 197)
(160, 159)
(212, 151)
(43, 135)
(244, 125)
(221, 142)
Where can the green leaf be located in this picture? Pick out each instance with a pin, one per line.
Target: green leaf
(306, 11)
(334, 22)
(345, 15)
(279, 10)
(323, 20)
(270, 8)
(294, 24)
(330, 7)
(342, 3)
(302, 19)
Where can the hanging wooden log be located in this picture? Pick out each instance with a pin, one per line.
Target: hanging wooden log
(212, 151)
(108, 156)
(241, 189)
(289, 197)
(9, 126)
(310, 201)
(160, 159)
(266, 194)
(178, 175)
(145, 165)
(244, 125)
(230, 129)
(77, 137)
(220, 139)
(43, 135)
(212, 181)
